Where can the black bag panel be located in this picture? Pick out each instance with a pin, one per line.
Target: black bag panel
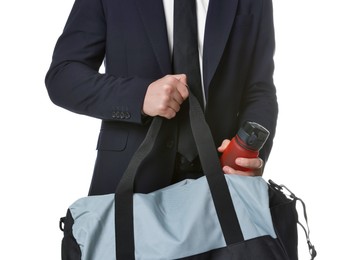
(285, 218)
(70, 250)
(262, 248)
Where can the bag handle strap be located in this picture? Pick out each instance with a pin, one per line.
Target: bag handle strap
(124, 229)
(215, 176)
(211, 166)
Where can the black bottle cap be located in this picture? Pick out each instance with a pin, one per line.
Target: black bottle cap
(253, 135)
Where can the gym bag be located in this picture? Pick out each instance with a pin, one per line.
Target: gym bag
(214, 217)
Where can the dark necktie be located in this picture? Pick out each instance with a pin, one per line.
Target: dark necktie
(186, 60)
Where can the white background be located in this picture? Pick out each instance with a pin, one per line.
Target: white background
(48, 154)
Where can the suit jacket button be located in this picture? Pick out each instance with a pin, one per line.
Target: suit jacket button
(122, 115)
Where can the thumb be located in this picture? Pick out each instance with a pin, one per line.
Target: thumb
(224, 145)
(181, 77)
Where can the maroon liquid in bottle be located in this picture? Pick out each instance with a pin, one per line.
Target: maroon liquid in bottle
(247, 144)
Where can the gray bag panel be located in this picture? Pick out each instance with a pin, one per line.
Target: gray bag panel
(169, 222)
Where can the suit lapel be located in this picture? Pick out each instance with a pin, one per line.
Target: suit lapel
(219, 21)
(153, 16)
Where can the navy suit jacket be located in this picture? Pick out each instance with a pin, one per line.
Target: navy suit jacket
(130, 37)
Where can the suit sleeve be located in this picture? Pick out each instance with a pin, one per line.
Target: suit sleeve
(260, 101)
(73, 80)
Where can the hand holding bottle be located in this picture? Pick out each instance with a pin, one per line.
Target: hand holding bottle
(240, 155)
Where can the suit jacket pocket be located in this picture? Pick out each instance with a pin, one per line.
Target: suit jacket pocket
(112, 139)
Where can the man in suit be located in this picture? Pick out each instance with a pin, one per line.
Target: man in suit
(135, 40)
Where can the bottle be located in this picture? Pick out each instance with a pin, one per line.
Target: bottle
(247, 143)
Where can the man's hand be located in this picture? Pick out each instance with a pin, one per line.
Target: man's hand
(165, 95)
(254, 164)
